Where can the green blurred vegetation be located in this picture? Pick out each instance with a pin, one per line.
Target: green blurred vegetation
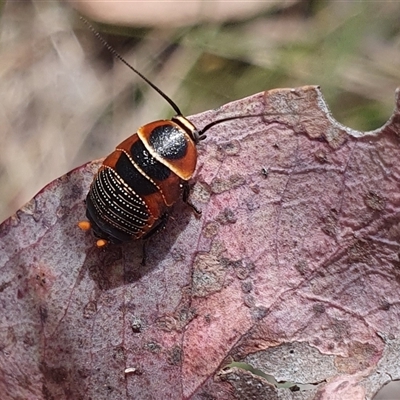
(338, 46)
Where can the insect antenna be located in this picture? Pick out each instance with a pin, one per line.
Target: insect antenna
(202, 135)
(119, 57)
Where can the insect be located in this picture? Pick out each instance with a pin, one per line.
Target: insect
(133, 191)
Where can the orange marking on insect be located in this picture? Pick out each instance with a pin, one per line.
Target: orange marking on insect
(84, 225)
(102, 243)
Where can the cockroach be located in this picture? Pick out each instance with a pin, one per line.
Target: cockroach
(133, 191)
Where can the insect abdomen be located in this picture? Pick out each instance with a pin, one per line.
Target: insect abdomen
(116, 211)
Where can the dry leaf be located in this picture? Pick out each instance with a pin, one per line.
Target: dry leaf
(291, 272)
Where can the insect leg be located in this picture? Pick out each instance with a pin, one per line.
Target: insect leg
(161, 225)
(185, 198)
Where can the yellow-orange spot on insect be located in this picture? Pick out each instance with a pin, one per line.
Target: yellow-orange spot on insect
(84, 225)
(101, 243)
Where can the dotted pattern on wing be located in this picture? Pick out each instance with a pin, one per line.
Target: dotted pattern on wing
(118, 204)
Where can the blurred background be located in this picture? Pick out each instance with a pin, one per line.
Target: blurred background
(65, 100)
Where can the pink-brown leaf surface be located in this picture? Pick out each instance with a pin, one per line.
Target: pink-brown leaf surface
(293, 269)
